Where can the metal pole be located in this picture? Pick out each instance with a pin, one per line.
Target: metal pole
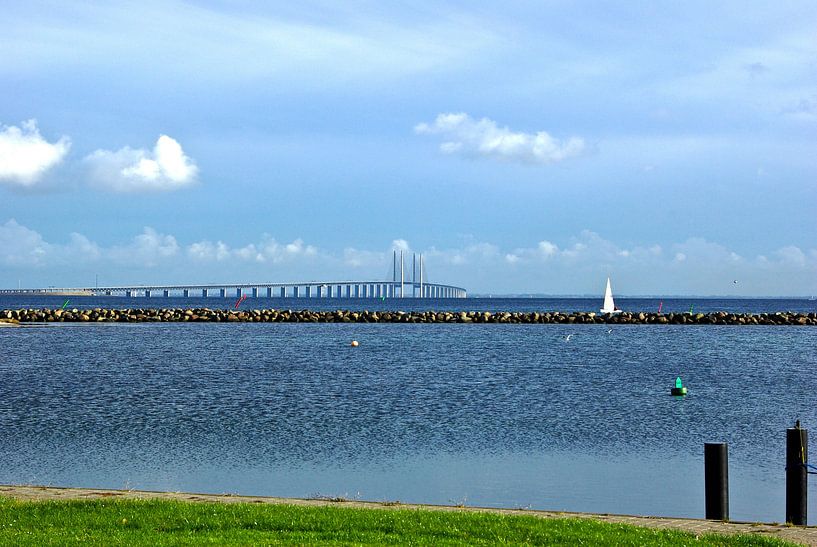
(796, 475)
(716, 481)
(413, 274)
(421, 276)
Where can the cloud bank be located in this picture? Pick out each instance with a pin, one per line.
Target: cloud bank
(268, 250)
(484, 138)
(134, 170)
(579, 265)
(25, 155)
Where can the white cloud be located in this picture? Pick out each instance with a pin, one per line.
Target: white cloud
(698, 248)
(136, 170)
(484, 138)
(207, 250)
(792, 255)
(21, 246)
(546, 248)
(147, 249)
(25, 155)
(400, 245)
(81, 246)
(359, 259)
(268, 250)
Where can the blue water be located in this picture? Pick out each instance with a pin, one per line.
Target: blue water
(675, 304)
(479, 414)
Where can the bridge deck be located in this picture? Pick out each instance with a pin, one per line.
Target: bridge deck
(329, 289)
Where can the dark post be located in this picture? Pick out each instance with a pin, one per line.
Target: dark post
(796, 475)
(716, 481)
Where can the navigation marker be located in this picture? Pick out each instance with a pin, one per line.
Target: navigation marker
(660, 305)
(679, 390)
(240, 300)
(66, 303)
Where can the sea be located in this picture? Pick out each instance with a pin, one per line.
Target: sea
(555, 417)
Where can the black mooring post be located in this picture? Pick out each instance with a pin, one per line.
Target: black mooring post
(716, 481)
(796, 475)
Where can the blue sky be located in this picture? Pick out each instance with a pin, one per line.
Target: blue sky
(522, 147)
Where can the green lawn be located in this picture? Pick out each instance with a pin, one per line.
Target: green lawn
(135, 522)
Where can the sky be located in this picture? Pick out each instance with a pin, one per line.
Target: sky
(522, 147)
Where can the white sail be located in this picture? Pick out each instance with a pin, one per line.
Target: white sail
(609, 305)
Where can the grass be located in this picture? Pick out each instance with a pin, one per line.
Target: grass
(164, 522)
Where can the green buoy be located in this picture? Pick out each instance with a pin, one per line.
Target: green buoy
(679, 388)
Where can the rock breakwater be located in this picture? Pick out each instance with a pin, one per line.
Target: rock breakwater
(347, 316)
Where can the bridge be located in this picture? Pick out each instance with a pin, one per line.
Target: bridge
(397, 287)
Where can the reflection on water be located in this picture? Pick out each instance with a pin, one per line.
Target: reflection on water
(503, 415)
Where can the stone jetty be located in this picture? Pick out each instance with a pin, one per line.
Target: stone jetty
(175, 315)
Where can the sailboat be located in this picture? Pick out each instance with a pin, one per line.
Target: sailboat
(609, 305)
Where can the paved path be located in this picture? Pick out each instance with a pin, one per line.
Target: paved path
(798, 534)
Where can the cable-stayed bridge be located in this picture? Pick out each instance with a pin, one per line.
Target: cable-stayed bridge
(400, 286)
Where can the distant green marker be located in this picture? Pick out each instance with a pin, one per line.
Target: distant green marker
(66, 303)
(690, 308)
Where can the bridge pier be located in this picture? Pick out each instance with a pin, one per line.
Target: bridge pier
(310, 289)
